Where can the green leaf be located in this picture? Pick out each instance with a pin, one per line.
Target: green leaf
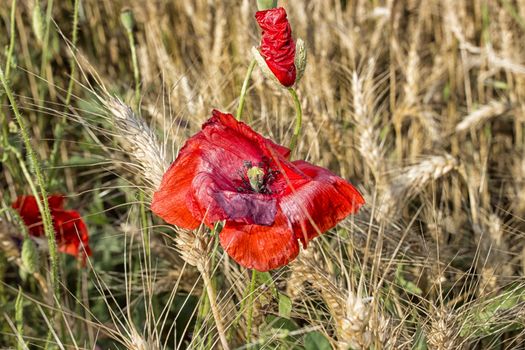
(408, 286)
(316, 341)
(281, 323)
(420, 342)
(285, 306)
(485, 319)
(266, 279)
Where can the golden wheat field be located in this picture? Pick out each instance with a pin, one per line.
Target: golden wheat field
(419, 104)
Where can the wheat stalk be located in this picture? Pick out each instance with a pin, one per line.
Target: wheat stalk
(443, 333)
(481, 115)
(140, 141)
(193, 246)
(368, 137)
(411, 181)
(356, 326)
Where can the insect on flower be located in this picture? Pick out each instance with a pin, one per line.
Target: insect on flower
(228, 172)
(71, 231)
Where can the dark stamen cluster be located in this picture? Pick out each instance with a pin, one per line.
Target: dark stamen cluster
(268, 178)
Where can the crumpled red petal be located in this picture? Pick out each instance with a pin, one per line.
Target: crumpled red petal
(170, 201)
(315, 206)
(224, 131)
(277, 45)
(194, 189)
(261, 248)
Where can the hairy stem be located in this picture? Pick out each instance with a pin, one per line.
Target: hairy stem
(3, 118)
(42, 200)
(298, 119)
(250, 307)
(11, 40)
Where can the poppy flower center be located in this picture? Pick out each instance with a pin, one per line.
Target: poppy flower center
(256, 178)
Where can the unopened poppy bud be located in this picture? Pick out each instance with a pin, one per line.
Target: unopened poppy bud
(277, 45)
(300, 59)
(30, 256)
(266, 4)
(127, 19)
(38, 22)
(13, 128)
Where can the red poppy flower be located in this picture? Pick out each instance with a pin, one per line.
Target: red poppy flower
(70, 229)
(277, 45)
(229, 172)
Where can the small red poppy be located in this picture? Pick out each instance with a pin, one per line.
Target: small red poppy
(229, 172)
(277, 45)
(71, 231)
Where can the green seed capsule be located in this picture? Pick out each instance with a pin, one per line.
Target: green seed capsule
(38, 22)
(127, 19)
(30, 256)
(266, 4)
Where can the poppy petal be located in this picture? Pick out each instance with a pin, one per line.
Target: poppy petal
(247, 208)
(71, 231)
(56, 201)
(26, 206)
(170, 202)
(225, 132)
(215, 201)
(261, 248)
(315, 206)
(224, 146)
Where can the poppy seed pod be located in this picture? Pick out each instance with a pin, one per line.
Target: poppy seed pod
(128, 19)
(266, 4)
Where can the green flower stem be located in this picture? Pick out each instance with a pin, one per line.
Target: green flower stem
(298, 119)
(244, 89)
(59, 129)
(250, 307)
(3, 118)
(42, 202)
(11, 40)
